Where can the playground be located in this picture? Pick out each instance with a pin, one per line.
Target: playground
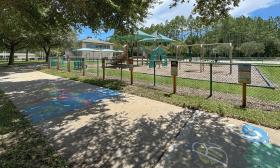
(194, 60)
(93, 126)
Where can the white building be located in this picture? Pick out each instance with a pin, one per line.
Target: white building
(97, 45)
(18, 56)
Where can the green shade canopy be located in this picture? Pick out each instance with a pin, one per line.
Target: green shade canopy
(162, 37)
(142, 35)
(138, 35)
(149, 40)
(158, 38)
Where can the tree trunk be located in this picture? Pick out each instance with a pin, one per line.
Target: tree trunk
(26, 56)
(12, 55)
(47, 53)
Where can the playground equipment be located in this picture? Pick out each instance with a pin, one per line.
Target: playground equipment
(78, 63)
(159, 56)
(204, 50)
(137, 39)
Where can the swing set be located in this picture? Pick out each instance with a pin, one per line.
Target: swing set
(205, 51)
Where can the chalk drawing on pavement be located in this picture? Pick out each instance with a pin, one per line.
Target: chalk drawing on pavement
(63, 102)
(210, 152)
(254, 134)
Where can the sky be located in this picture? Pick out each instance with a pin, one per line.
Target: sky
(162, 12)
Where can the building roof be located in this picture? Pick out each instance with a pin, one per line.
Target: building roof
(91, 40)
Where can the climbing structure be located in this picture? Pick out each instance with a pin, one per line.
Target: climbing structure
(159, 56)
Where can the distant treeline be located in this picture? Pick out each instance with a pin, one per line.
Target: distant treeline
(250, 37)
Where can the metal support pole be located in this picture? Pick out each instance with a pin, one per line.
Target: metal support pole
(230, 58)
(137, 52)
(154, 73)
(201, 58)
(211, 80)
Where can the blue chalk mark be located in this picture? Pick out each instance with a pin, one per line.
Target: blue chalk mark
(255, 134)
(66, 103)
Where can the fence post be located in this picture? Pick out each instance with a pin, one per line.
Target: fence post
(68, 64)
(103, 68)
(83, 66)
(121, 71)
(174, 84)
(244, 77)
(211, 79)
(130, 64)
(97, 68)
(57, 63)
(174, 74)
(244, 90)
(154, 73)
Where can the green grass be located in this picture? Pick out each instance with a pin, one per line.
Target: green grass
(20, 144)
(20, 63)
(269, 119)
(273, 73)
(265, 94)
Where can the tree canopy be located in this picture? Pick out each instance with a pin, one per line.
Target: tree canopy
(229, 30)
(210, 11)
(37, 20)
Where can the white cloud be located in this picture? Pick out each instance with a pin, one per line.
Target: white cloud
(248, 6)
(162, 12)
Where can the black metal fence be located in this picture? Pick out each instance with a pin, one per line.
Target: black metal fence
(218, 81)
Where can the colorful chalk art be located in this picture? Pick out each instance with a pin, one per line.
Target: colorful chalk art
(254, 134)
(66, 101)
(259, 152)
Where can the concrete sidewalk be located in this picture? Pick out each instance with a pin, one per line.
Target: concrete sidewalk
(93, 126)
(98, 127)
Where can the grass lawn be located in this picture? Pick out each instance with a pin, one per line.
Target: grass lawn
(273, 73)
(19, 63)
(20, 144)
(264, 94)
(270, 119)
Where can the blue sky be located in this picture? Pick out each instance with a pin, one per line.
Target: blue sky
(262, 8)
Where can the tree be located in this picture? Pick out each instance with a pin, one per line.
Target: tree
(21, 20)
(55, 39)
(211, 10)
(14, 32)
(251, 48)
(97, 14)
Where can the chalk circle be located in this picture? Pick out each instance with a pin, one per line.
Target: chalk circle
(254, 134)
(210, 153)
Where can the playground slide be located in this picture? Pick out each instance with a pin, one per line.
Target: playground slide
(156, 55)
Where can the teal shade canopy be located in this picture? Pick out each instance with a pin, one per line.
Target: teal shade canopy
(158, 38)
(136, 36)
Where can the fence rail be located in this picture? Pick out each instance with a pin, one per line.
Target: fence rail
(218, 81)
